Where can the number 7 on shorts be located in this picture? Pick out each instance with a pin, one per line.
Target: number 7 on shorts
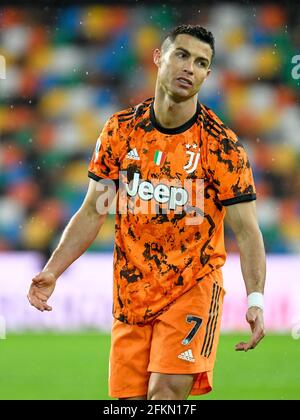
(192, 333)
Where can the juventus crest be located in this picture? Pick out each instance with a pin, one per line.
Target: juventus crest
(193, 158)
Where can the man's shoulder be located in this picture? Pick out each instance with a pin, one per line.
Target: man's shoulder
(133, 113)
(214, 126)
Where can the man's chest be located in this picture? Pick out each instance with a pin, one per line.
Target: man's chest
(164, 170)
(171, 157)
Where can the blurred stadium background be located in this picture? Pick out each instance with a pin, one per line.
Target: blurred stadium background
(67, 70)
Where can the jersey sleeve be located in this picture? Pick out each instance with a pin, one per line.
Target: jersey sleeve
(105, 161)
(231, 171)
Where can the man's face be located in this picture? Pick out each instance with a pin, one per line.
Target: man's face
(183, 66)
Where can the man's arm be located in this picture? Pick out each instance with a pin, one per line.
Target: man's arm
(243, 221)
(78, 235)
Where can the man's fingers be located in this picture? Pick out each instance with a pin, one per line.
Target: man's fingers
(34, 293)
(40, 305)
(35, 302)
(240, 346)
(255, 338)
(40, 290)
(244, 346)
(39, 301)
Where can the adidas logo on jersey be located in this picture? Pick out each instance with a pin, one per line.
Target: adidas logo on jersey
(133, 154)
(187, 355)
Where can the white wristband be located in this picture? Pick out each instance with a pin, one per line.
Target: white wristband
(256, 299)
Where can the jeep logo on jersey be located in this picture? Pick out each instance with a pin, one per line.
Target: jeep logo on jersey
(162, 193)
(193, 160)
(157, 197)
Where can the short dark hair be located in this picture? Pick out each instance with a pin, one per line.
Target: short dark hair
(196, 31)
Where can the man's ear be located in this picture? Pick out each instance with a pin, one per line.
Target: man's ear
(208, 73)
(156, 57)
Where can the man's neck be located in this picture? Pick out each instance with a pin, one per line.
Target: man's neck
(171, 114)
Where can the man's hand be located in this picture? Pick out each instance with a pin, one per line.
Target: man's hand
(255, 318)
(41, 289)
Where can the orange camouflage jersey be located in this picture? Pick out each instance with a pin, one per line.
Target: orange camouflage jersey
(174, 185)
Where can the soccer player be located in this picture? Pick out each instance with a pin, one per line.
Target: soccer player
(180, 172)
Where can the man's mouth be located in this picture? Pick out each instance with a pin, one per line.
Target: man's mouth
(185, 82)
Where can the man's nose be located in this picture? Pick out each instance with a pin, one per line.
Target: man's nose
(188, 68)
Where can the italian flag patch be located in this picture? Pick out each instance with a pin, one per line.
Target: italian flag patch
(159, 157)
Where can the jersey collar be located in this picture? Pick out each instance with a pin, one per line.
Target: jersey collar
(175, 130)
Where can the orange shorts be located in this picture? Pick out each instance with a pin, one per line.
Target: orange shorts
(183, 340)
